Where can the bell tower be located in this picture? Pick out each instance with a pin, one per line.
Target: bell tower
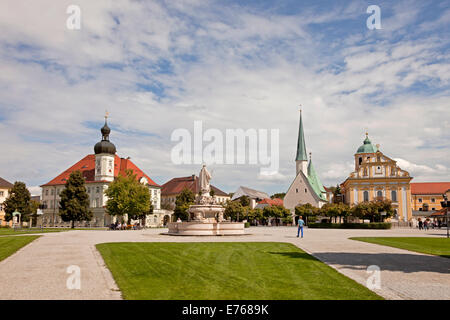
(301, 160)
(104, 155)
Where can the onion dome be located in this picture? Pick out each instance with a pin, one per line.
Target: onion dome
(367, 147)
(105, 146)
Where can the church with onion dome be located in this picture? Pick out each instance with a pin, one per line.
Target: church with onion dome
(99, 170)
(378, 176)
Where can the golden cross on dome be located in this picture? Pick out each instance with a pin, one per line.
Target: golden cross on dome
(300, 107)
(106, 114)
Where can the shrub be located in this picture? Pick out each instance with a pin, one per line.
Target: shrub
(373, 225)
(247, 225)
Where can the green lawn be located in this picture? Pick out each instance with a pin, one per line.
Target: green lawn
(435, 246)
(225, 271)
(10, 231)
(9, 245)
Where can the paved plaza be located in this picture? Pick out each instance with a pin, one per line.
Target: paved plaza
(39, 270)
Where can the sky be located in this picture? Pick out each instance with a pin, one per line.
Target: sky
(158, 66)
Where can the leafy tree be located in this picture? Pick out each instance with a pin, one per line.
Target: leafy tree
(234, 211)
(337, 195)
(372, 210)
(334, 210)
(277, 212)
(127, 196)
(278, 195)
(74, 203)
(182, 203)
(307, 211)
(245, 201)
(254, 214)
(19, 199)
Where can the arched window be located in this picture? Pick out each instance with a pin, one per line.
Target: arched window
(394, 196)
(360, 160)
(379, 194)
(366, 195)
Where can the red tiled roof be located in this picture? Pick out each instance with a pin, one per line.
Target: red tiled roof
(5, 184)
(87, 167)
(272, 202)
(176, 185)
(429, 187)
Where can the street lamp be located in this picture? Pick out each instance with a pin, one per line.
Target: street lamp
(446, 204)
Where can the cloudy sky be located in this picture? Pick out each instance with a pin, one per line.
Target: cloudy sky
(158, 66)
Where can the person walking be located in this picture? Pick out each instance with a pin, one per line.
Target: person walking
(301, 223)
(420, 224)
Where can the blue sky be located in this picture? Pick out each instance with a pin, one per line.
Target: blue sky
(157, 66)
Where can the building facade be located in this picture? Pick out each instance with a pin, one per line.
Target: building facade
(5, 186)
(427, 196)
(378, 176)
(99, 170)
(306, 187)
(172, 188)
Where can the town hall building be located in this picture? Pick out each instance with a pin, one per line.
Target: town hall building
(99, 170)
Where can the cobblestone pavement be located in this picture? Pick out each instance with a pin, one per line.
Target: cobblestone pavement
(39, 270)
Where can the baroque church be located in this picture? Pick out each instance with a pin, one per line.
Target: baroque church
(378, 176)
(306, 187)
(99, 170)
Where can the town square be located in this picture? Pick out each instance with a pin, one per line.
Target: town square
(209, 151)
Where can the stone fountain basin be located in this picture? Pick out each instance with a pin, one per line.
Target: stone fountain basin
(206, 228)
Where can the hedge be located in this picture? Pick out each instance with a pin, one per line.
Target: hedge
(373, 225)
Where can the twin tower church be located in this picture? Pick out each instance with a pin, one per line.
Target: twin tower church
(375, 175)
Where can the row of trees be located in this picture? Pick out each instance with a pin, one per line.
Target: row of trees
(126, 197)
(375, 211)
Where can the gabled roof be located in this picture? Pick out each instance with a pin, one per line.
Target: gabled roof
(272, 202)
(315, 182)
(176, 185)
(251, 193)
(87, 168)
(429, 187)
(5, 184)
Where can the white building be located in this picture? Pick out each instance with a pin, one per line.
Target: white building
(99, 170)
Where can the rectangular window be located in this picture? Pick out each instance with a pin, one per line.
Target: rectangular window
(97, 202)
(420, 200)
(1, 193)
(433, 200)
(46, 192)
(97, 190)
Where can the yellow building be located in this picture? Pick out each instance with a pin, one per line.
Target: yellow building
(427, 196)
(377, 175)
(5, 186)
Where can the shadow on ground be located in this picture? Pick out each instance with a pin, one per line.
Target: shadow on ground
(403, 262)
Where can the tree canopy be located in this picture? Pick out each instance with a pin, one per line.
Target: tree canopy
(276, 211)
(182, 203)
(74, 203)
(127, 196)
(19, 199)
(234, 211)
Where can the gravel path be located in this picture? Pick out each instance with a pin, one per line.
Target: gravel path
(39, 270)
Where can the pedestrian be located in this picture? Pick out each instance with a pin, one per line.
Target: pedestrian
(425, 225)
(420, 224)
(301, 223)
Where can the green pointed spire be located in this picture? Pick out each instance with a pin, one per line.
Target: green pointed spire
(301, 146)
(315, 182)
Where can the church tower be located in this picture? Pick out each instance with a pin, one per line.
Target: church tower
(301, 160)
(104, 156)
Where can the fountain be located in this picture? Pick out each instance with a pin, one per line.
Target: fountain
(206, 216)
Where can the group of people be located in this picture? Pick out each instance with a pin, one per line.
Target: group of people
(124, 226)
(427, 224)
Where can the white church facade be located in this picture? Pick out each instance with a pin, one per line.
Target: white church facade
(99, 170)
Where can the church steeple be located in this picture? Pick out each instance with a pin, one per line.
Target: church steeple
(301, 159)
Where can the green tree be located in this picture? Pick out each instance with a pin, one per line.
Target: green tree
(337, 195)
(335, 210)
(279, 195)
(127, 196)
(182, 203)
(19, 199)
(234, 211)
(245, 201)
(74, 203)
(307, 211)
(278, 212)
(254, 215)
